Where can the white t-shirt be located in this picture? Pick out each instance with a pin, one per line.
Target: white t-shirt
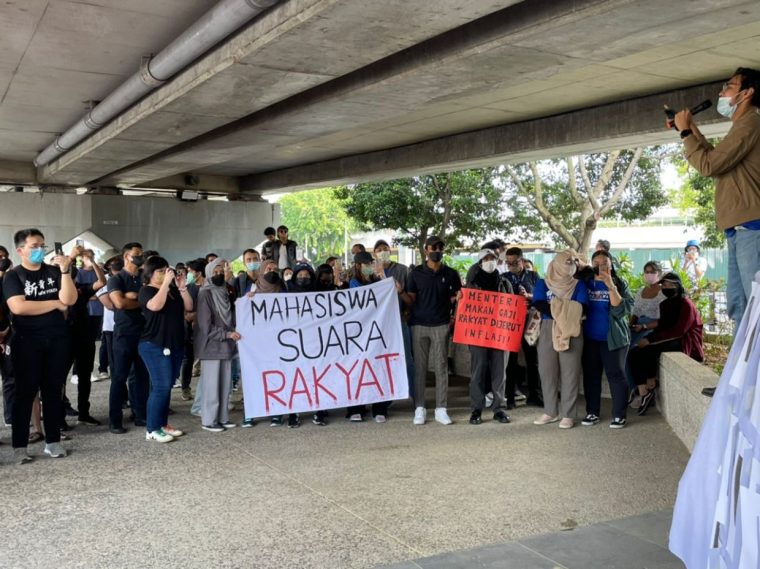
(700, 262)
(283, 262)
(649, 307)
(107, 314)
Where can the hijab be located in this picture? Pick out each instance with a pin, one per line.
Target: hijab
(559, 275)
(293, 285)
(219, 294)
(263, 285)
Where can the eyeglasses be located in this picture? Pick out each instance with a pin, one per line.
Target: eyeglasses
(727, 85)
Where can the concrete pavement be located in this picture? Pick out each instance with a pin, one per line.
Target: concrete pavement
(343, 496)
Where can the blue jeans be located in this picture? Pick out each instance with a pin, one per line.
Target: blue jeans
(162, 369)
(743, 263)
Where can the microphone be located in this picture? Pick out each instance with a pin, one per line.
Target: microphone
(671, 114)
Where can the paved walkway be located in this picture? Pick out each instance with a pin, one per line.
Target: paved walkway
(342, 496)
(639, 542)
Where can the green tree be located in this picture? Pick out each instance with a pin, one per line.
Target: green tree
(317, 221)
(570, 195)
(459, 207)
(696, 196)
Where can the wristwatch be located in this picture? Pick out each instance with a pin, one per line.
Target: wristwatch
(685, 132)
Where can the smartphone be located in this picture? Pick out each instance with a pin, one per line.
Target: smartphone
(80, 242)
(58, 248)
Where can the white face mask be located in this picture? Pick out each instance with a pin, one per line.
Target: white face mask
(651, 278)
(725, 107)
(383, 256)
(488, 266)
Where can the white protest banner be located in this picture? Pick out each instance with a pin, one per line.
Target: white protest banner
(301, 352)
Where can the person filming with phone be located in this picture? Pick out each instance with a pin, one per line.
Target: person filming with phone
(38, 297)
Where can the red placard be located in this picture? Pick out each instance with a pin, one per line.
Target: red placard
(490, 319)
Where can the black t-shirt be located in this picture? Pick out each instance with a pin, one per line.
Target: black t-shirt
(434, 290)
(165, 328)
(36, 286)
(129, 322)
(78, 314)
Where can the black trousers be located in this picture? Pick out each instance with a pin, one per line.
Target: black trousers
(40, 365)
(83, 357)
(597, 359)
(126, 361)
(517, 376)
(187, 363)
(645, 362)
(9, 386)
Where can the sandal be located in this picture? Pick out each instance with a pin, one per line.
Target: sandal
(35, 437)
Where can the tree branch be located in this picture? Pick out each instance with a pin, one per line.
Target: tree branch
(552, 220)
(618, 193)
(584, 175)
(572, 183)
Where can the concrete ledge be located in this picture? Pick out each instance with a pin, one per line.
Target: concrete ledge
(680, 396)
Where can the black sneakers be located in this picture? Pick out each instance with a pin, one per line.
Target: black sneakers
(319, 420)
(475, 418)
(646, 402)
(617, 423)
(502, 417)
(88, 420)
(590, 420)
(294, 421)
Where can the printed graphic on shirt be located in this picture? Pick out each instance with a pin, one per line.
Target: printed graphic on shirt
(40, 289)
(599, 295)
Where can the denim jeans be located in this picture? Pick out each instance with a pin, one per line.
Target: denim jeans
(127, 365)
(162, 369)
(743, 263)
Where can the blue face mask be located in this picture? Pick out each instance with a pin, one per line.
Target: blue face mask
(255, 266)
(37, 256)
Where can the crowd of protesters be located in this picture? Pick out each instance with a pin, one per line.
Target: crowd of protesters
(159, 324)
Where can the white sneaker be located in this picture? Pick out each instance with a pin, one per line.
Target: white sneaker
(442, 416)
(172, 432)
(380, 419)
(74, 380)
(159, 436)
(94, 378)
(228, 425)
(545, 420)
(420, 414)
(55, 450)
(103, 375)
(566, 423)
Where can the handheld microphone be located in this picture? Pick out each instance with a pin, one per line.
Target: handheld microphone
(671, 114)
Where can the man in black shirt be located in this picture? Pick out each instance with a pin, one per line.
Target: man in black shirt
(38, 297)
(523, 282)
(128, 327)
(83, 335)
(6, 369)
(433, 288)
(267, 250)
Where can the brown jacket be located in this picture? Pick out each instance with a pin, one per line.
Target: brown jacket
(735, 165)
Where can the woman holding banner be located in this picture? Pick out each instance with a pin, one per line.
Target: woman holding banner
(270, 282)
(215, 338)
(365, 272)
(487, 362)
(561, 299)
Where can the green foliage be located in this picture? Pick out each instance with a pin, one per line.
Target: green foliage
(317, 221)
(456, 206)
(459, 265)
(697, 195)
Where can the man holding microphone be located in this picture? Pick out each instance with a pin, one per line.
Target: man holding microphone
(735, 165)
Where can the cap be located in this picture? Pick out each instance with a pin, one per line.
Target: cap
(691, 243)
(363, 258)
(433, 240)
(483, 253)
(380, 242)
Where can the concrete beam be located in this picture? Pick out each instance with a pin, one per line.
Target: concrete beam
(199, 182)
(13, 172)
(626, 124)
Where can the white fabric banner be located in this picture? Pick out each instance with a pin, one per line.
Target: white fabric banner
(716, 519)
(301, 352)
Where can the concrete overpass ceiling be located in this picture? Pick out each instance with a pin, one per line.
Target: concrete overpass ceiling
(313, 81)
(57, 54)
